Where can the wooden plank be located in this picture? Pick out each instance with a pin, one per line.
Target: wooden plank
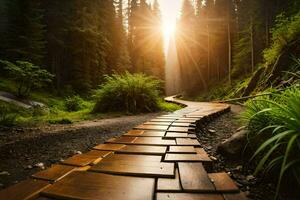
(192, 136)
(158, 123)
(223, 182)
(133, 158)
(176, 135)
(109, 147)
(122, 140)
(180, 129)
(182, 149)
(171, 157)
(187, 196)
(154, 141)
(181, 124)
(142, 149)
(204, 156)
(82, 160)
(194, 178)
(134, 133)
(187, 142)
(152, 127)
(88, 185)
(162, 120)
(24, 190)
(169, 117)
(97, 153)
(169, 184)
(136, 168)
(54, 173)
(238, 196)
(140, 133)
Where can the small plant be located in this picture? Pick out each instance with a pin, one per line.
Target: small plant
(7, 118)
(61, 121)
(132, 93)
(74, 103)
(276, 119)
(27, 76)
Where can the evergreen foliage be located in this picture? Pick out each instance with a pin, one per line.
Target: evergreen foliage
(27, 76)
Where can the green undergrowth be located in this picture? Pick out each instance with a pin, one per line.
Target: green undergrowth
(273, 122)
(67, 109)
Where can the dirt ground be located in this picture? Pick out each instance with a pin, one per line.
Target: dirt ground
(24, 151)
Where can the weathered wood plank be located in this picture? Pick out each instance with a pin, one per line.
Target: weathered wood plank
(151, 127)
(180, 129)
(90, 157)
(171, 157)
(204, 156)
(141, 133)
(238, 196)
(24, 190)
(188, 196)
(187, 142)
(137, 168)
(182, 149)
(54, 173)
(88, 185)
(109, 147)
(223, 182)
(169, 184)
(154, 141)
(122, 140)
(194, 178)
(142, 149)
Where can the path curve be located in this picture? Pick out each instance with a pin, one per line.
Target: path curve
(158, 160)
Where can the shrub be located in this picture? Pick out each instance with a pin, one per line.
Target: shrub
(285, 31)
(276, 119)
(74, 103)
(27, 76)
(128, 92)
(7, 117)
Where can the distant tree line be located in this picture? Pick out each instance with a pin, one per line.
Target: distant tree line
(219, 39)
(79, 41)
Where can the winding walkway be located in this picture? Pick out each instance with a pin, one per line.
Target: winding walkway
(158, 160)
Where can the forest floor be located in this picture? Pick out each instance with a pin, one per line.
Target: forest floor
(24, 151)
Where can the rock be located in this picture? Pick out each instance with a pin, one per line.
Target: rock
(4, 173)
(234, 146)
(250, 178)
(28, 167)
(239, 168)
(213, 158)
(40, 165)
(211, 130)
(77, 152)
(209, 147)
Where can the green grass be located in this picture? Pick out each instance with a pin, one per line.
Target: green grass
(168, 107)
(274, 124)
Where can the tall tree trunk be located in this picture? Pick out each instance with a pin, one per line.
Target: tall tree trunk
(229, 51)
(208, 53)
(252, 43)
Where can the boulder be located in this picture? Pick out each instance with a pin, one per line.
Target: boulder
(234, 146)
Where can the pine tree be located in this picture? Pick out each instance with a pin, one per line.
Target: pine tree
(27, 31)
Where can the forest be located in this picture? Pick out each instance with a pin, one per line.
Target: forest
(68, 63)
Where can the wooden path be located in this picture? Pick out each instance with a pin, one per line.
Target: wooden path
(158, 160)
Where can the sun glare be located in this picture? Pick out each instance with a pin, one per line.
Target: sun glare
(170, 10)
